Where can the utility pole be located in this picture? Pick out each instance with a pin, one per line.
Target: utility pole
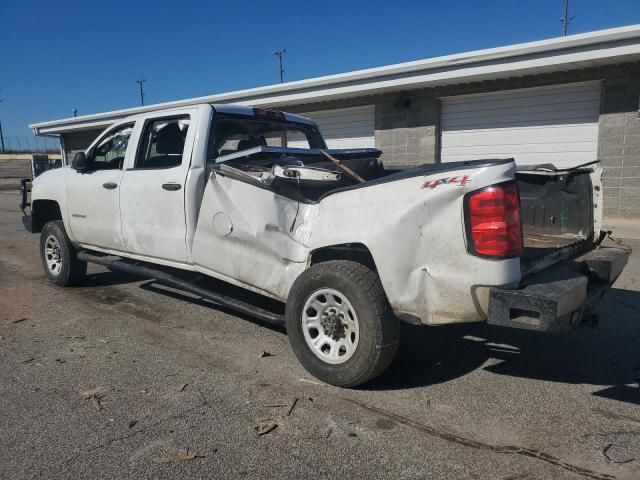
(566, 19)
(1, 135)
(279, 54)
(74, 111)
(140, 82)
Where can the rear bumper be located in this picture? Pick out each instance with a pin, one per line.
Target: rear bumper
(561, 297)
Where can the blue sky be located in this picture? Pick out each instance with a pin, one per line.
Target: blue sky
(65, 54)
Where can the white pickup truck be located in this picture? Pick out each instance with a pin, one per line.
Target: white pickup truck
(253, 198)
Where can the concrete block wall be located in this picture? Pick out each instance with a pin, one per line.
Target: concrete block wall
(619, 150)
(406, 130)
(407, 125)
(619, 142)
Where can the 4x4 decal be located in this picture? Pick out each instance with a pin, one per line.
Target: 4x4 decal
(459, 181)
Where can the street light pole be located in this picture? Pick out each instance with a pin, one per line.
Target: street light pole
(140, 82)
(566, 18)
(1, 135)
(279, 54)
(1, 138)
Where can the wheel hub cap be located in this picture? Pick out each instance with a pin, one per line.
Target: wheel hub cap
(333, 327)
(330, 326)
(53, 257)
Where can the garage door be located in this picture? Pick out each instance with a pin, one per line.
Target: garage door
(556, 125)
(346, 127)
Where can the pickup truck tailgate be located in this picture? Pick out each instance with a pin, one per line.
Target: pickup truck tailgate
(561, 297)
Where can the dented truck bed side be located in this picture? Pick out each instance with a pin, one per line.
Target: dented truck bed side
(251, 236)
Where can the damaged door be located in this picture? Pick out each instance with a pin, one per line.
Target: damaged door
(249, 235)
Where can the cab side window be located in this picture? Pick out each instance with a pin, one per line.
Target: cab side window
(162, 143)
(109, 153)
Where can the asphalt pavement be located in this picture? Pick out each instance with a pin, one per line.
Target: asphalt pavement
(123, 378)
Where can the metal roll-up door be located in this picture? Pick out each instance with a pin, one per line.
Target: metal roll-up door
(346, 127)
(556, 125)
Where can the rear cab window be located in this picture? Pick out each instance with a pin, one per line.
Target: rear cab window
(234, 134)
(162, 143)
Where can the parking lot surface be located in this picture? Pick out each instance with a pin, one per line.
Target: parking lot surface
(123, 378)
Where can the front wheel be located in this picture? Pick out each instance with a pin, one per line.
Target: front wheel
(339, 323)
(59, 256)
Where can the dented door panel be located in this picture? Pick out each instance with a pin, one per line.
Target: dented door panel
(244, 235)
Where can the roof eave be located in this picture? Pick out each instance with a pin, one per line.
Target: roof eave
(514, 60)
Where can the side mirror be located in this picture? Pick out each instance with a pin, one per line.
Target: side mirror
(80, 162)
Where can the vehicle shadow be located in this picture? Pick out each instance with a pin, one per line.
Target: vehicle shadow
(608, 356)
(105, 277)
(431, 355)
(255, 299)
(108, 278)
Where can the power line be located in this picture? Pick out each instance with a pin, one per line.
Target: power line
(279, 54)
(140, 82)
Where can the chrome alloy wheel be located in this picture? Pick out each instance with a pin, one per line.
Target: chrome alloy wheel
(52, 255)
(330, 326)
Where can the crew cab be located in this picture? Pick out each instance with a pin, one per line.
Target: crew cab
(254, 198)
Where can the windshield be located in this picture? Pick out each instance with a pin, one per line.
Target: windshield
(230, 135)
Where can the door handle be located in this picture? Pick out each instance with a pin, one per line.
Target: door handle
(110, 185)
(172, 187)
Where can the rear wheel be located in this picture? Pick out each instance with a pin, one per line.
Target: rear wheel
(339, 323)
(58, 256)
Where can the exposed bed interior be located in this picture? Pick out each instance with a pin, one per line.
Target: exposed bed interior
(306, 175)
(556, 213)
(285, 156)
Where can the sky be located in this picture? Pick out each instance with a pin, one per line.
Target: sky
(59, 55)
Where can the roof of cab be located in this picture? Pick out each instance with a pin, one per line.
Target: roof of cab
(233, 109)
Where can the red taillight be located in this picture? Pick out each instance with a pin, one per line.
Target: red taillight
(493, 221)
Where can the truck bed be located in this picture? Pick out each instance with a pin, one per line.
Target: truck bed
(540, 245)
(557, 217)
(543, 250)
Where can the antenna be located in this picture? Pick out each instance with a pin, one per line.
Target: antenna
(140, 82)
(565, 19)
(279, 54)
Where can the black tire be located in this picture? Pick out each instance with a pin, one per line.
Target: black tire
(378, 327)
(71, 271)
